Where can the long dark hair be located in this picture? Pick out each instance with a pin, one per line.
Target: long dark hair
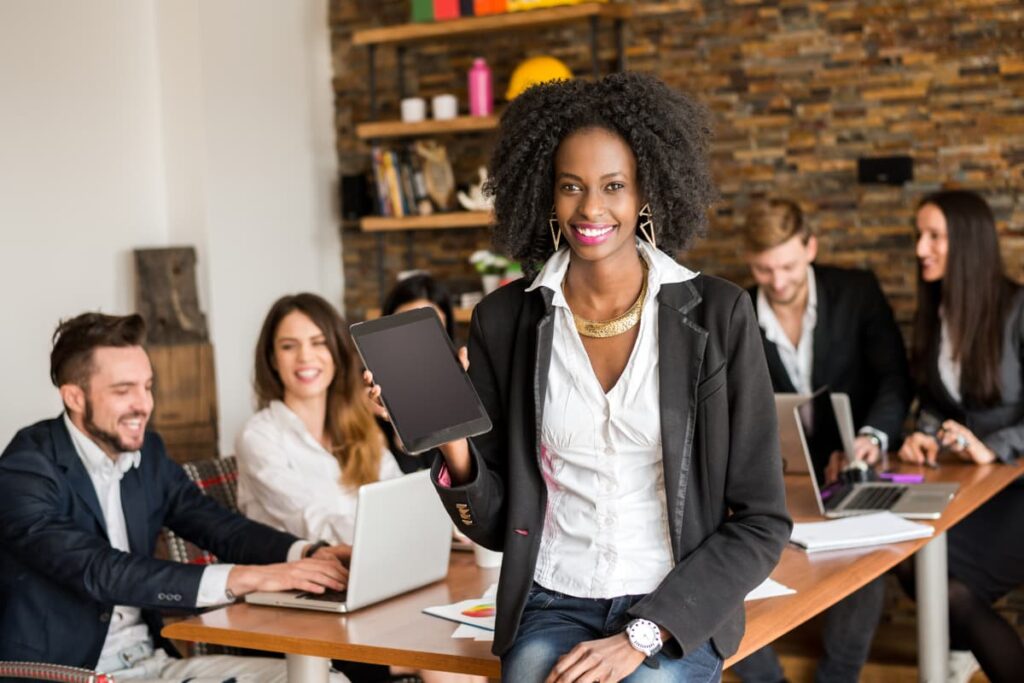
(417, 287)
(356, 441)
(974, 295)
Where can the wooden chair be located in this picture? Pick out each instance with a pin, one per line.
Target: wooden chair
(217, 478)
(40, 671)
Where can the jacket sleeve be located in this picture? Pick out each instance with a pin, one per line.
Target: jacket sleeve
(37, 530)
(887, 360)
(1008, 443)
(478, 506)
(708, 585)
(227, 534)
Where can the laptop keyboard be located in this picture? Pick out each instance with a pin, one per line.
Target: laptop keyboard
(875, 497)
(326, 596)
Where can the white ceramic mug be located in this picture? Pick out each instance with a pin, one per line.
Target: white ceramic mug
(486, 558)
(414, 109)
(444, 107)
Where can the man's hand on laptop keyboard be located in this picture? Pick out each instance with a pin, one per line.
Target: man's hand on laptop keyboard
(341, 553)
(313, 575)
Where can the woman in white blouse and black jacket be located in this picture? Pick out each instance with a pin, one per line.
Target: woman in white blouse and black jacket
(968, 357)
(632, 478)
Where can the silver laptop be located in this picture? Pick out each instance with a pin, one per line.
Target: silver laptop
(793, 460)
(403, 538)
(822, 444)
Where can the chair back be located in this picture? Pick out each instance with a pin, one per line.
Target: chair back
(217, 478)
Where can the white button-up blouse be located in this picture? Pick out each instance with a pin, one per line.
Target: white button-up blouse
(287, 480)
(606, 528)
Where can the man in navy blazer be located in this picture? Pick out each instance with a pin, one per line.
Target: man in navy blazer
(827, 326)
(82, 499)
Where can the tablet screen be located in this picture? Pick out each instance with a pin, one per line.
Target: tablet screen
(429, 397)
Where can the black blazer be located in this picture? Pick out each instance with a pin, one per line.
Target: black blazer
(723, 472)
(59, 576)
(858, 350)
(1001, 426)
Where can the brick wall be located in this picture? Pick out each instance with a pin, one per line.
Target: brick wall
(799, 90)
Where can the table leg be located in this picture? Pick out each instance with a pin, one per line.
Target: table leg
(932, 611)
(305, 669)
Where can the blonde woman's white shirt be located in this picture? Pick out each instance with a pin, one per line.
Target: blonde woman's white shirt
(288, 480)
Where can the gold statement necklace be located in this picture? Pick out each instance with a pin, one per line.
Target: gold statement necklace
(601, 329)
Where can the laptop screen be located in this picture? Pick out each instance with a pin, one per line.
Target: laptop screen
(824, 442)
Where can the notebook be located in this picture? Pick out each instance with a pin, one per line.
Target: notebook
(854, 532)
(402, 542)
(822, 442)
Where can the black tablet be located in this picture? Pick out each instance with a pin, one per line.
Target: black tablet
(429, 396)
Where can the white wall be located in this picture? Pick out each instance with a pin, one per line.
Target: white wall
(151, 123)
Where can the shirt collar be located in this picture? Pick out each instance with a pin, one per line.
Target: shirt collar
(662, 270)
(94, 458)
(286, 418)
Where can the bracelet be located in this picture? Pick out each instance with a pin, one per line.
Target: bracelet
(311, 550)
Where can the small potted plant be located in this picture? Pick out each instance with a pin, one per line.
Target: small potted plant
(491, 267)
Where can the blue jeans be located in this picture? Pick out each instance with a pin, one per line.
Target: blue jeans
(554, 623)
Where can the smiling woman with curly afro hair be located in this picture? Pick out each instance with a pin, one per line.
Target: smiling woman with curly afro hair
(668, 133)
(629, 476)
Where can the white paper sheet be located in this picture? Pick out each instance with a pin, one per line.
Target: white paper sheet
(769, 588)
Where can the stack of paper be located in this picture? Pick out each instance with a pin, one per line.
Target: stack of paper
(476, 616)
(855, 532)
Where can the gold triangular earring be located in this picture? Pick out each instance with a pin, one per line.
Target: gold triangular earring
(556, 231)
(646, 225)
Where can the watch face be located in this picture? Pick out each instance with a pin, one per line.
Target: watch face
(644, 636)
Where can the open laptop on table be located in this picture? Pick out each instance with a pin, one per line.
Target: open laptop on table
(403, 538)
(822, 442)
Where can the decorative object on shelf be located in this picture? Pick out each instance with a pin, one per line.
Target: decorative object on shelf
(512, 273)
(444, 107)
(481, 96)
(474, 200)
(536, 70)
(437, 172)
(422, 10)
(526, 5)
(491, 267)
(484, 7)
(414, 109)
(446, 9)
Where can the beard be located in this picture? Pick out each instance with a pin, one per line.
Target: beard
(109, 439)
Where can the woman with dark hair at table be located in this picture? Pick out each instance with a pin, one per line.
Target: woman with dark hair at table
(968, 358)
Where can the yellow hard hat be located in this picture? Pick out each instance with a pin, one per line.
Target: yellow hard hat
(536, 70)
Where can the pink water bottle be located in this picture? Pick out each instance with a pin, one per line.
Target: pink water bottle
(481, 99)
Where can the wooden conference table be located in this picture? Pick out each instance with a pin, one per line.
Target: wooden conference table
(397, 632)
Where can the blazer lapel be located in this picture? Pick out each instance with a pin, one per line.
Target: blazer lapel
(133, 504)
(781, 382)
(819, 366)
(681, 345)
(77, 476)
(542, 362)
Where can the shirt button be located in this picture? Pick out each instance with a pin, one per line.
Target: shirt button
(609, 450)
(104, 617)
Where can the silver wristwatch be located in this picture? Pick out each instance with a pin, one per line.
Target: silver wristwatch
(644, 636)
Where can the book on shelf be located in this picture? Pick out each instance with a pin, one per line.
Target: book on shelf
(399, 181)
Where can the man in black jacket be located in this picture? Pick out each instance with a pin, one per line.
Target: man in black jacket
(82, 500)
(827, 326)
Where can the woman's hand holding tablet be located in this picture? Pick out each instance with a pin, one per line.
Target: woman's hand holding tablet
(418, 381)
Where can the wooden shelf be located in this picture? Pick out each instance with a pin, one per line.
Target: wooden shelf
(411, 33)
(400, 129)
(437, 221)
